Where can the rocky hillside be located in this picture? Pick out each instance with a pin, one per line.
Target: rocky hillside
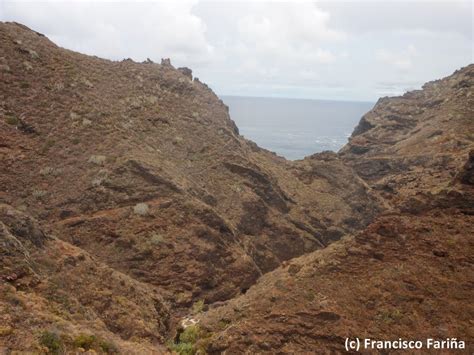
(412, 146)
(57, 297)
(140, 166)
(129, 201)
(410, 273)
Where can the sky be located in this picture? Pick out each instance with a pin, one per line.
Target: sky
(354, 50)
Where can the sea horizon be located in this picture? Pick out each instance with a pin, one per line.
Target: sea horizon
(293, 127)
(297, 98)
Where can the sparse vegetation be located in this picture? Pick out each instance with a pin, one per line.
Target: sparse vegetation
(141, 209)
(97, 182)
(39, 194)
(97, 159)
(73, 116)
(389, 316)
(85, 341)
(108, 347)
(198, 306)
(14, 300)
(177, 140)
(60, 344)
(223, 324)
(187, 341)
(86, 264)
(11, 120)
(46, 170)
(156, 239)
(5, 330)
(47, 145)
(182, 297)
(51, 341)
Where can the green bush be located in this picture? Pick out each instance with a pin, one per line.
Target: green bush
(52, 341)
(92, 342)
(190, 334)
(183, 348)
(187, 341)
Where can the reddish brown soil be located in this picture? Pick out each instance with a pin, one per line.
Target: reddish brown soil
(127, 195)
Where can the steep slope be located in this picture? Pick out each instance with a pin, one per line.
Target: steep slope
(140, 167)
(414, 144)
(405, 276)
(410, 273)
(57, 296)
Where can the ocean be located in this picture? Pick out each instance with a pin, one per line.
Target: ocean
(295, 128)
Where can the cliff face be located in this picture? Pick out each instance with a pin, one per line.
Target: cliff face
(416, 143)
(128, 195)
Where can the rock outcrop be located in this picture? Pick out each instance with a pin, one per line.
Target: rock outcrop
(415, 143)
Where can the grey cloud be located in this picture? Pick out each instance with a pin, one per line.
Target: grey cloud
(405, 15)
(326, 49)
(117, 30)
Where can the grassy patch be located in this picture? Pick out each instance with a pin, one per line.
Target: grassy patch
(198, 307)
(223, 324)
(141, 209)
(5, 330)
(389, 316)
(62, 344)
(84, 341)
(39, 194)
(108, 347)
(156, 239)
(14, 300)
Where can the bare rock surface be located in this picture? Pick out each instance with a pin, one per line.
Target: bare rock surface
(415, 143)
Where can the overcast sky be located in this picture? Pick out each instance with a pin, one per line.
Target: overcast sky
(352, 50)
